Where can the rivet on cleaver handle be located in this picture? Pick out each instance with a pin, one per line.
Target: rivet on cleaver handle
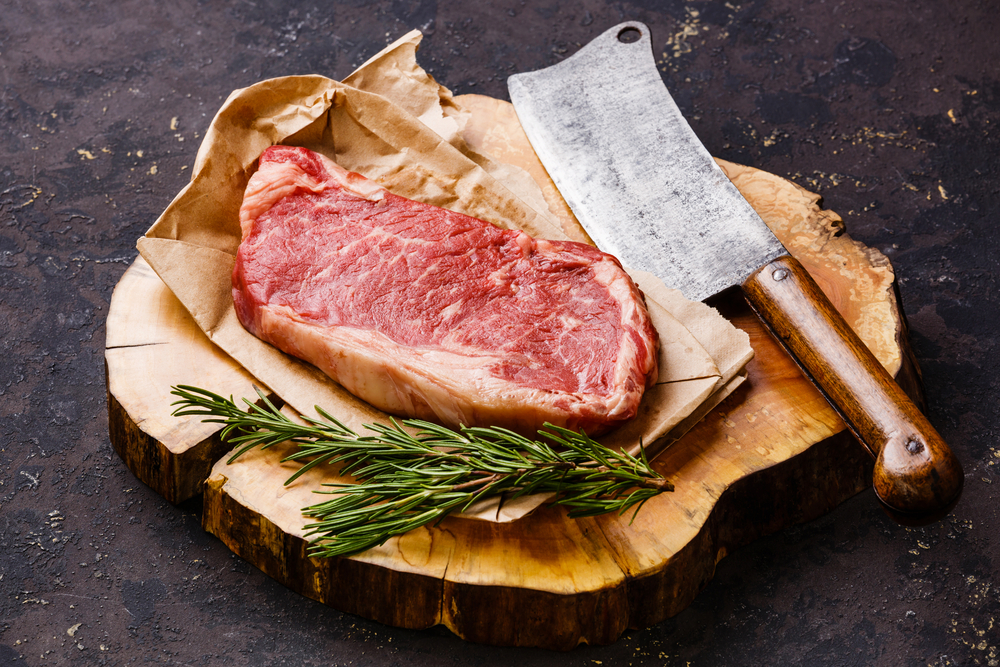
(647, 190)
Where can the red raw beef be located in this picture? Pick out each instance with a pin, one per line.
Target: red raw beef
(428, 313)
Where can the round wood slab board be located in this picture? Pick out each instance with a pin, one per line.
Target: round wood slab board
(772, 454)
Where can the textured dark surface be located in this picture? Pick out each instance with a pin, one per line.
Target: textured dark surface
(887, 109)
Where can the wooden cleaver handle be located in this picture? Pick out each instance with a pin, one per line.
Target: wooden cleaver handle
(915, 470)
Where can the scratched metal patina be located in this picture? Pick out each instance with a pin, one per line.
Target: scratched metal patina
(655, 199)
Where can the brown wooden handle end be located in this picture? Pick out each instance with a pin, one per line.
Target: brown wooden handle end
(915, 470)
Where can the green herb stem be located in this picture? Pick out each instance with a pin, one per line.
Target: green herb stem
(412, 473)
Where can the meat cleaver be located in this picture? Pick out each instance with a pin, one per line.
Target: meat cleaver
(647, 191)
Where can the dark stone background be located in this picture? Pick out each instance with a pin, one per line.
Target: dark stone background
(886, 108)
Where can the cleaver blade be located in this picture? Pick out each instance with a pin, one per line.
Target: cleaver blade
(647, 191)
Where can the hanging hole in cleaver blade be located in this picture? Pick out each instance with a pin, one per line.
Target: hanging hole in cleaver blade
(629, 35)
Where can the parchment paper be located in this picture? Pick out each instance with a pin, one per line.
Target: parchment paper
(403, 131)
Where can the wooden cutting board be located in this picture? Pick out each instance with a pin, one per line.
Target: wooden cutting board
(772, 454)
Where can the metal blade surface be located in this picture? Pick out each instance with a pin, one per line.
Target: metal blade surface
(633, 171)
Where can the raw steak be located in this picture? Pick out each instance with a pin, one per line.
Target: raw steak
(429, 313)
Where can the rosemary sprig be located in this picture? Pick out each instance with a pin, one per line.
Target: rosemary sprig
(407, 480)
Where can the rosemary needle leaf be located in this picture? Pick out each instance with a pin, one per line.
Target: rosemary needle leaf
(412, 473)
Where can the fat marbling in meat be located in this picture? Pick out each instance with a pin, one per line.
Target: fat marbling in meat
(424, 312)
